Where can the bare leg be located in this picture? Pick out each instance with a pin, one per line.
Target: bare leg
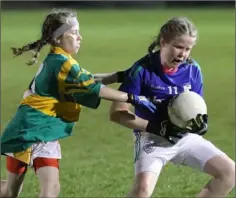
(49, 182)
(47, 170)
(222, 168)
(12, 186)
(144, 185)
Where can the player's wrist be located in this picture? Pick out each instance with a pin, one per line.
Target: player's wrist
(131, 98)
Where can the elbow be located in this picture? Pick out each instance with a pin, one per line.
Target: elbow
(119, 112)
(114, 116)
(115, 113)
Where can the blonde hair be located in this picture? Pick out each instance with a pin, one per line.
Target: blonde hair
(52, 22)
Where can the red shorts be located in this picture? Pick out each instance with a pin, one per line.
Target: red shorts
(17, 167)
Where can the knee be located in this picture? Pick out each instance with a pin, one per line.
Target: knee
(51, 190)
(224, 169)
(227, 174)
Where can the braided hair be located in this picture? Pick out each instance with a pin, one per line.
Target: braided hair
(174, 27)
(51, 23)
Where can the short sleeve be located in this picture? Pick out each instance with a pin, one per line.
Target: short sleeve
(197, 83)
(78, 85)
(133, 80)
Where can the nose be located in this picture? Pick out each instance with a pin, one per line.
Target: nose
(183, 53)
(79, 38)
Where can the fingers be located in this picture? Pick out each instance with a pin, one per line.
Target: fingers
(148, 107)
(197, 123)
(203, 130)
(205, 118)
(152, 107)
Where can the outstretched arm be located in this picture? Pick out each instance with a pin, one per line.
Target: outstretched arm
(120, 96)
(110, 78)
(106, 78)
(80, 87)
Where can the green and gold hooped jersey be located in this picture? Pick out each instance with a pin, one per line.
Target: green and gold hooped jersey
(49, 113)
(61, 86)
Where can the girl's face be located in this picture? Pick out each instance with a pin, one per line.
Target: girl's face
(71, 39)
(176, 51)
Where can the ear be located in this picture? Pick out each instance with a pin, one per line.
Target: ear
(162, 42)
(56, 41)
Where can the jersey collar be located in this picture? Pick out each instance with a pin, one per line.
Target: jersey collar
(169, 71)
(58, 50)
(165, 70)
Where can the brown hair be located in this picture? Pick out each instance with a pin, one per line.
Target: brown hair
(52, 22)
(174, 27)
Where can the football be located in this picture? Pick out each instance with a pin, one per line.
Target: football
(184, 107)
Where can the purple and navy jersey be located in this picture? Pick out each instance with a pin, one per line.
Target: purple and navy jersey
(147, 78)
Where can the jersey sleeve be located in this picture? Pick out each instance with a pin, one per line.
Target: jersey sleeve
(132, 80)
(197, 84)
(122, 74)
(78, 85)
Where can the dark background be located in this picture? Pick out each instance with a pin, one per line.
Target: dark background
(113, 4)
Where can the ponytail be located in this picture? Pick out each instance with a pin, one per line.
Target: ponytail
(35, 47)
(155, 43)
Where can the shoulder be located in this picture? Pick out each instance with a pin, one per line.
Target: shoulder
(192, 66)
(69, 62)
(62, 64)
(195, 70)
(60, 59)
(71, 65)
(139, 66)
(195, 65)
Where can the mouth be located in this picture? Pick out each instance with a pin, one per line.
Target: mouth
(177, 61)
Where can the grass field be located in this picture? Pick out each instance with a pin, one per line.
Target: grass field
(98, 158)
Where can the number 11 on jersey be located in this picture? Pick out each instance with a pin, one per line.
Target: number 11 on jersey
(173, 90)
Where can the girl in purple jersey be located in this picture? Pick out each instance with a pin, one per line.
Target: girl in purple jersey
(152, 150)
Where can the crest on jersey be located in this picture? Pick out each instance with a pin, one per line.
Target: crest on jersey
(149, 147)
(187, 86)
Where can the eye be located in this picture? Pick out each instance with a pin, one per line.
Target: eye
(183, 48)
(75, 31)
(188, 49)
(179, 47)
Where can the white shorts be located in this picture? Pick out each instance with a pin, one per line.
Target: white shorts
(153, 152)
(46, 150)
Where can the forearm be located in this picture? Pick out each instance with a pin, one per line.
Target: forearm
(129, 120)
(113, 95)
(106, 78)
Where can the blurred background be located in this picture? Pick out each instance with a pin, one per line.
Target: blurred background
(113, 4)
(98, 159)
